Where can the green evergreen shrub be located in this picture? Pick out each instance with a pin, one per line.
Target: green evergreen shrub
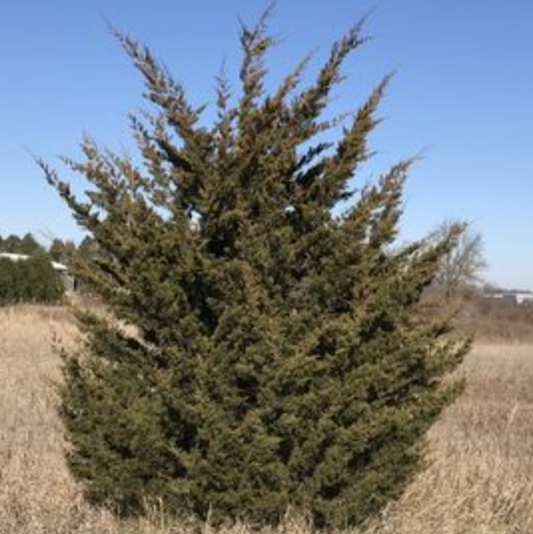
(17, 245)
(33, 280)
(275, 356)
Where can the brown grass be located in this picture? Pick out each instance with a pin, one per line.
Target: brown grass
(480, 463)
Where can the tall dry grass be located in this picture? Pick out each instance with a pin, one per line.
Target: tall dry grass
(479, 477)
(37, 494)
(480, 455)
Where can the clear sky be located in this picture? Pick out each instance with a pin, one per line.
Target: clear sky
(463, 92)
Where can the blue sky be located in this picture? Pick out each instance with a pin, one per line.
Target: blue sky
(463, 92)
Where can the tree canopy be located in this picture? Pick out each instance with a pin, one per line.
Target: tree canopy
(14, 244)
(275, 356)
(33, 280)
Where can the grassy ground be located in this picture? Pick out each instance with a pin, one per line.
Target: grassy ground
(480, 463)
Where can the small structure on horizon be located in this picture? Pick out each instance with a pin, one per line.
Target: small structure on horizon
(518, 296)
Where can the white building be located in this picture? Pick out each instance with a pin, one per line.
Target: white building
(524, 297)
(520, 297)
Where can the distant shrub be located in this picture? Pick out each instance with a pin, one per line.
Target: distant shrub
(33, 280)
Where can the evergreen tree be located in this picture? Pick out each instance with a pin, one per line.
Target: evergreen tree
(33, 280)
(59, 250)
(87, 248)
(27, 245)
(276, 356)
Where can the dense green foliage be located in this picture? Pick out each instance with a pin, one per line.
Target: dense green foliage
(30, 281)
(275, 356)
(14, 244)
(60, 250)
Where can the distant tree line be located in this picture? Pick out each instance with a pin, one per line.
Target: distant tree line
(14, 244)
(31, 280)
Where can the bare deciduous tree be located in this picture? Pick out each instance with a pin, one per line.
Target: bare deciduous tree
(462, 266)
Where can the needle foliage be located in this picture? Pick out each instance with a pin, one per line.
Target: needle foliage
(261, 352)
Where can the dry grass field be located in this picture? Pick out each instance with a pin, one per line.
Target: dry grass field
(479, 477)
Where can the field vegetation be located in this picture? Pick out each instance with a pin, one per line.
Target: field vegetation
(478, 479)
